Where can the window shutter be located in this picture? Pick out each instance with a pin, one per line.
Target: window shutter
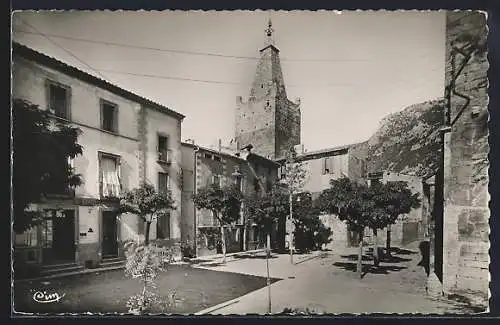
(68, 103)
(100, 167)
(47, 96)
(101, 110)
(115, 119)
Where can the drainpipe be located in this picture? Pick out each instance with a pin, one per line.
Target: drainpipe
(196, 149)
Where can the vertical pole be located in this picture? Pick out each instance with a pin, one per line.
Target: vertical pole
(290, 237)
(360, 254)
(268, 280)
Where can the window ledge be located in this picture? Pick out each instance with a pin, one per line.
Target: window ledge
(115, 133)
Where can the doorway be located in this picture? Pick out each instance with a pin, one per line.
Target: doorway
(109, 234)
(58, 237)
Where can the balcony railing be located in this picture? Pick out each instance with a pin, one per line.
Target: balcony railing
(165, 156)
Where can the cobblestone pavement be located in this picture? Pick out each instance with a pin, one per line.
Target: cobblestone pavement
(329, 284)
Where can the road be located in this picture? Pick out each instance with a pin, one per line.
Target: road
(329, 284)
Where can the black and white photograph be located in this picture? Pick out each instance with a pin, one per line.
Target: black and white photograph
(250, 162)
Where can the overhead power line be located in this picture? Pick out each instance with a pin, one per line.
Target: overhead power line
(64, 49)
(155, 76)
(156, 49)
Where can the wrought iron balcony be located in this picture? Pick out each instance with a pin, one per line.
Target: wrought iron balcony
(165, 156)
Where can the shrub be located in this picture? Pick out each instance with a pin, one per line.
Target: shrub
(145, 262)
(310, 234)
(188, 249)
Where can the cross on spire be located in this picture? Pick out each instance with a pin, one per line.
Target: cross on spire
(269, 32)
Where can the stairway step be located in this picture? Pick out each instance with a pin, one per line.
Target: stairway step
(58, 266)
(115, 263)
(112, 259)
(51, 271)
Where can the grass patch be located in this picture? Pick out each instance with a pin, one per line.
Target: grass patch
(188, 289)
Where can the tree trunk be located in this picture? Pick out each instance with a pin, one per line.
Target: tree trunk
(388, 241)
(376, 259)
(360, 254)
(268, 239)
(223, 239)
(146, 233)
(245, 237)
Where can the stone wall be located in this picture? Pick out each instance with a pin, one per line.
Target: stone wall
(255, 124)
(288, 121)
(466, 212)
(268, 120)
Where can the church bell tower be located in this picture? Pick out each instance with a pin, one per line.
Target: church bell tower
(268, 120)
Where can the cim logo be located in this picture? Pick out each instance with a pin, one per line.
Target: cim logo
(45, 298)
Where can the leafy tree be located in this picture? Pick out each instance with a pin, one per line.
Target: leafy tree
(148, 204)
(309, 232)
(268, 208)
(42, 146)
(395, 199)
(224, 203)
(353, 204)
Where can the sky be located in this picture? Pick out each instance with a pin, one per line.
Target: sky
(349, 70)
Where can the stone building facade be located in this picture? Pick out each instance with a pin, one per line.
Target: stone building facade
(203, 167)
(465, 229)
(268, 119)
(119, 135)
(344, 161)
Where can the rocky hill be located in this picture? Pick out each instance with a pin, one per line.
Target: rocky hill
(407, 141)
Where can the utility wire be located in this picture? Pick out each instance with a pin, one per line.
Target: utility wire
(154, 75)
(182, 51)
(138, 47)
(65, 50)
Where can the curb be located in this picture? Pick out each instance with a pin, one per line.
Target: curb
(219, 306)
(62, 275)
(313, 256)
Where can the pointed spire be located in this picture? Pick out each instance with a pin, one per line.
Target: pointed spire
(269, 32)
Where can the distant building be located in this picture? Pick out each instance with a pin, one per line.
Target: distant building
(203, 167)
(126, 140)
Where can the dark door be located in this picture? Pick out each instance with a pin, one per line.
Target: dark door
(109, 231)
(63, 240)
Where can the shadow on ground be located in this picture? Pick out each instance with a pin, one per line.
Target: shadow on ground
(255, 257)
(401, 251)
(387, 260)
(381, 269)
